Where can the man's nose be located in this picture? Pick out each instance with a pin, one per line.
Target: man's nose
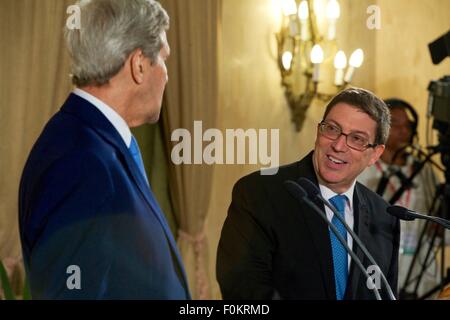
(340, 144)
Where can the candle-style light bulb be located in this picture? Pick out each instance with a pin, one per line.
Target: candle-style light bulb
(316, 59)
(303, 10)
(356, 60)
(303, 14)
(286, 60)
(290, 10)
(333, 10)
(340, 62)
(333, 13)
(289, 7)
(317, 54)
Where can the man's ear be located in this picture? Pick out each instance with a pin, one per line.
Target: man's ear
(137, 65)
(377, 152)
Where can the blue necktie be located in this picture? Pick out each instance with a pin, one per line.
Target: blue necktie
(136, 154)
(339, 253)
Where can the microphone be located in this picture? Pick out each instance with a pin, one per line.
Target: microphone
(300, 194)
(314, 193)
(399, 213)
(409, 215)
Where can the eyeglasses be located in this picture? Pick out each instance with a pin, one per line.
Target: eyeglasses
(354, 140)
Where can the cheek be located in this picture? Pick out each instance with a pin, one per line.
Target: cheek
(165, 72)
(162, 70)
(319, 151)
(162, 78)
(363, 161)
(322, 143)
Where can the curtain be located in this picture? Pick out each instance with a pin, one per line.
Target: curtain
(34, 83)
(192, 94)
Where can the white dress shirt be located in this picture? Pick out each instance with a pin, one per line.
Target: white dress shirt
(116, 120)
(327, 193)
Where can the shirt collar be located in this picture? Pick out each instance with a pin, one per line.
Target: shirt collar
(116, 120)
(327, 193)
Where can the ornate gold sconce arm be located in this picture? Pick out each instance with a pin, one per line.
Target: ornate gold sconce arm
(300, 55)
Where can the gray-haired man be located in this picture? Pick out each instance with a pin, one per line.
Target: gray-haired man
(89, 223)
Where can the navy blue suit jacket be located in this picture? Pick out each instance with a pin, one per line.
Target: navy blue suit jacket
(83, 202)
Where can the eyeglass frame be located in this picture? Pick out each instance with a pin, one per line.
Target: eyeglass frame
(364, 148)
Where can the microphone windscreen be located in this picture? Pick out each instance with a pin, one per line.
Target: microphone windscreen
(295, 190)
(400, 212)
(440, 48)
(311, 189)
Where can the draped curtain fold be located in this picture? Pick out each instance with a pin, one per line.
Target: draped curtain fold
(192, 95)
(34, 83)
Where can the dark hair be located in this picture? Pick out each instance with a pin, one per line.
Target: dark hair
(368, 103)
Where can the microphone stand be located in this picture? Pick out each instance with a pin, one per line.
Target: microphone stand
(411, 215)
(404, 294)
(313, 191)
(382, 184)
(408, 182)
(341, 239)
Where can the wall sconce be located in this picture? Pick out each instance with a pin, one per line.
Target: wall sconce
(302, 50)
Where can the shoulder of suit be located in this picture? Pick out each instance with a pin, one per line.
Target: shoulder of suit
(289, 171)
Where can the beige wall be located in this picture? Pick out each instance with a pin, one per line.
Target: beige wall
(403, 65)
(251, 95)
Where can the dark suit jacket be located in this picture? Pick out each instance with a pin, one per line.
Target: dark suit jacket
(273, 246)
(83, 202)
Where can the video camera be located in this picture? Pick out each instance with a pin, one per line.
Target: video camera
(439, 97)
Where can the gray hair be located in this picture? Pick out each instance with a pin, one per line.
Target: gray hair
(110, 31)
(368, 103)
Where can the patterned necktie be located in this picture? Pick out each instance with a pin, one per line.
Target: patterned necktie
(339, 253)
(136, 154)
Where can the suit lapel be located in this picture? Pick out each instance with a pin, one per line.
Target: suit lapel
(362, 218)
(97, 121)
(149, 197)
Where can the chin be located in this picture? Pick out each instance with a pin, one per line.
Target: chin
(332, 177)
(153, 119)
(154, 116)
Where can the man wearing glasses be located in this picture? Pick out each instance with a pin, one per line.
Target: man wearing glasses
(273, 246)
